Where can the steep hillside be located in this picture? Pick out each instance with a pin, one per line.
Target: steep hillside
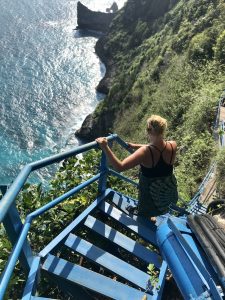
(165, 57)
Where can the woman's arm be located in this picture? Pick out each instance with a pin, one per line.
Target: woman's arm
(131, 161)
(135, 146)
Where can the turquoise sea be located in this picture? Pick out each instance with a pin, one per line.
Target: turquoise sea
(48, 75)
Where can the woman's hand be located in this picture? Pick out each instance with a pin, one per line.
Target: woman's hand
(129, 162)
(131, 145)
(102, 141)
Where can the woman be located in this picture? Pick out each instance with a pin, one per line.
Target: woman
(157, 185)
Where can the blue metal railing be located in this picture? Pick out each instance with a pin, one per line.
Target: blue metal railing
(218, 125)
(9, 198)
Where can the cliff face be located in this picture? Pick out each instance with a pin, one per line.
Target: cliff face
(124, 22)
(164, 57)
(143, 40)
(92, 20)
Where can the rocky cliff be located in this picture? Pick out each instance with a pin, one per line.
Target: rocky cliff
(164, 57)
(107, 47)
(92, 20)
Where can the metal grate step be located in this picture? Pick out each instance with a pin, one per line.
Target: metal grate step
(81, 276)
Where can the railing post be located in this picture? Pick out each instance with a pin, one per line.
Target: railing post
(13, 226)
(103, 180)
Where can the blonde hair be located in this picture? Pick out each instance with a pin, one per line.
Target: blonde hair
(156, 125)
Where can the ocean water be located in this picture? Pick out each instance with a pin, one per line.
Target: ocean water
(48, 75)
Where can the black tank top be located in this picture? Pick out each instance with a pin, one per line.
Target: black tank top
(161, 169)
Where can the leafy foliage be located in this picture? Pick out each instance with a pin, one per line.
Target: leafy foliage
(71, 173)
(169, 61)
(220, 175)
(201, 46)
(220, 47)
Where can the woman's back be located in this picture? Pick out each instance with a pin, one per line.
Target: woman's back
(159, 162)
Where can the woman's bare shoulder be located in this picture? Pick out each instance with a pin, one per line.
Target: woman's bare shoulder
(143, 149)
(173, 143)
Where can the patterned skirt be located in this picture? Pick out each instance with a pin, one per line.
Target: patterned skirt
(156, 194)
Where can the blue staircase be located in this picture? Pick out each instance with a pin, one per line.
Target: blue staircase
(110, 260)
(136, 282)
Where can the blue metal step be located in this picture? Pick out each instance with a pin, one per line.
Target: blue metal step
(108, 261)
(123, 241)
(186, 261)
(146, 232)
(124, 202)
(81, 276)
(62, 236)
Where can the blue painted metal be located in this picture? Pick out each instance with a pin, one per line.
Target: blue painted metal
(204, 296)
(181, 223)
(16, 186)
(184, 273)
(8, 200)
(31, 283)
(13, 191)
(191, 276)
(145, 232)
(103, 169)
(175, 247)
(92, 280)
(20, 243)
(123, 202)
(158, 289)
(13, 226)
(222, 136)
(65, 196)
(114, 173)
(199, 253)
(123, 241)
(59, 239)
(74, 291)
(204, 272)
(6, 275)
(108, 261)
(123, 144)
(197, 207)
(194, 206)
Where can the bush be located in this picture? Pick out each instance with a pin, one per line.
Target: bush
(220, 48)
(201, 47)
(220, 173)
(193, 160)
(72, 172)
(140, 33)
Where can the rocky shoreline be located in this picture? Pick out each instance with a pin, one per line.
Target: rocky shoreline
(91, 20)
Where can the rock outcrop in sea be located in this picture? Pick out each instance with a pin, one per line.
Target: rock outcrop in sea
(126, 53)
(94, 20)
(99, 21)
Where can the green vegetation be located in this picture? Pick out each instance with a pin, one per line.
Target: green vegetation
(71, 173)
(169, 60)
(220, 175)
